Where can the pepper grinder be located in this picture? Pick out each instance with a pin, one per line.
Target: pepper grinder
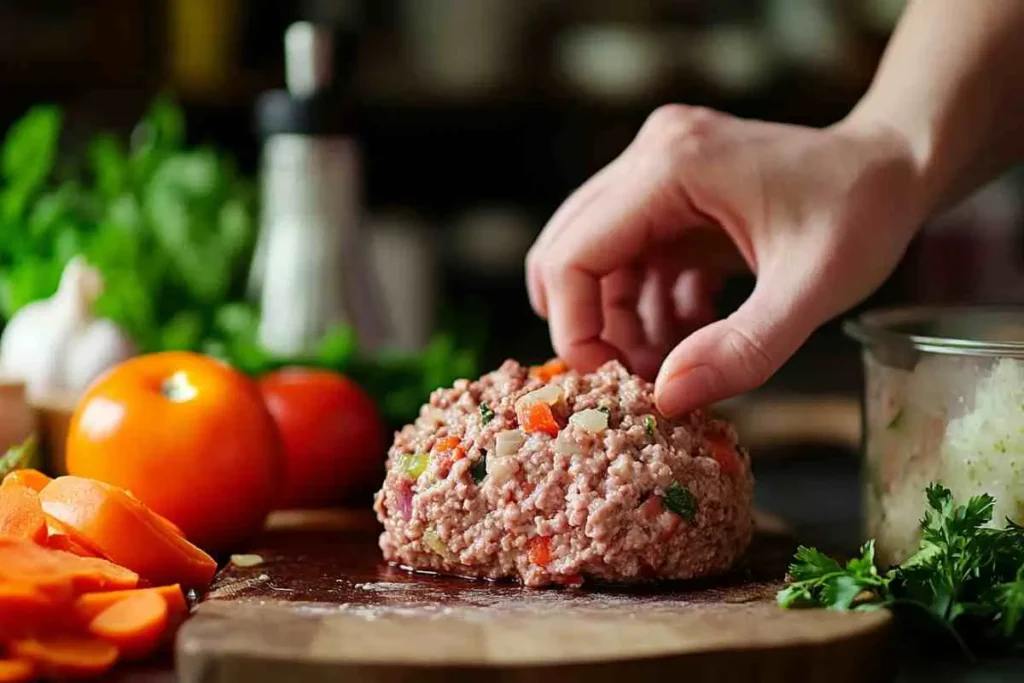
(311, 270)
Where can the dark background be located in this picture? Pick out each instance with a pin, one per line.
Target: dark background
(516, 143)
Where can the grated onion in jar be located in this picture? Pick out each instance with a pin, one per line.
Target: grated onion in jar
(590, 419)
(508, 442)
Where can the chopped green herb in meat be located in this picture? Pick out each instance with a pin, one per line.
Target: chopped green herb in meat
(605, 409)
(479, 469)
(486, 413)
(650, 424)
(679, 500)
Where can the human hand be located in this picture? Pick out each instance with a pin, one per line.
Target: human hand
(628, 265)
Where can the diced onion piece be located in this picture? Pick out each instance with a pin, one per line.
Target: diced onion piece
(246, 560)
(501, 469)
(590, 419)
(508, 442)
(413, 464)
(431, 415)
(565, 446)
(434, 542)
(551, 394)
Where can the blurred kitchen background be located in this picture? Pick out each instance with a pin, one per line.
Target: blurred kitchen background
(474, 119)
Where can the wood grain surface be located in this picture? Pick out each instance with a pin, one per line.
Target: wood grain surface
(322, 606)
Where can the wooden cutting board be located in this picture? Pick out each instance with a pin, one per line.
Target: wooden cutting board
(322, 607)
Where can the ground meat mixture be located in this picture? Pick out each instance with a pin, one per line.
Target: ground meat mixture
(552, 477)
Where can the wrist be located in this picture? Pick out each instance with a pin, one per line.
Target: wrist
(896, 145)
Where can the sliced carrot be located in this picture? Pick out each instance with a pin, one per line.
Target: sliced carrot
(24, 609)
(540, 550)
(126, 532)
(66, 656)
(539, 418)
(553, 368)
(34, 479)
(89, 605)
(59, 573)
(134, 624)
(724, 455)
(61, 537)
(16, 670)
(21, 515)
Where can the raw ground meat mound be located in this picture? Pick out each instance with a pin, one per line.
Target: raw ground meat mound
(643, 498)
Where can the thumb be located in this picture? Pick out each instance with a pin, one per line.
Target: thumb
(739, 353)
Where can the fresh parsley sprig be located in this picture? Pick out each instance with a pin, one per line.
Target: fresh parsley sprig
(966, 575)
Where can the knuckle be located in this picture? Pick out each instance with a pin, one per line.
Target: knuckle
(751, 353)
(681, 125)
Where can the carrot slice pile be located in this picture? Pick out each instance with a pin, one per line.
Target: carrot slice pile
(34, 479)
(66, 656)
(88, 606)
(21, 515)
(126, 532)
(16, 670)
(88, 576)
(134, 624)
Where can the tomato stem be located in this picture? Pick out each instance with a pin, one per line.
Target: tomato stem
(178, 388)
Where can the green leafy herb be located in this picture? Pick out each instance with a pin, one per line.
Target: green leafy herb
(681, 501)
(967, 576)
(650, 424)
(479, 470)
(605, 409)
(172, 229)
(23, 456)
(486, 413)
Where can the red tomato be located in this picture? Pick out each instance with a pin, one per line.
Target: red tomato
(333, 435)
(188, 436)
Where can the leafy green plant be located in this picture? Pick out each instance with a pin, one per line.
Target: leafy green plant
(966, 576)
(172, 228)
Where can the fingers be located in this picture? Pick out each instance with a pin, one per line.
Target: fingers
(563, 218)
(623, 327)
(739, 353)
(610, 235)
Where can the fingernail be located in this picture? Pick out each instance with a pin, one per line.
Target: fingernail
(684, 390)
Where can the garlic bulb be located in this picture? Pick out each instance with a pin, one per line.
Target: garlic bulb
(56, 345)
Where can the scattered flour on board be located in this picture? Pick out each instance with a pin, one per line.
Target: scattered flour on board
(414, 600)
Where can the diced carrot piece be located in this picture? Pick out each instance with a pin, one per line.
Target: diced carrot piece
(551, 369)
(21, 515)
(127, 532)
(540, 550)
(134, 624)
(16, 670)
(65, 656)
(34, 479)
(24, 609)
(447, 444)
(539, 418)
(61, 537)
(724, 455)
(89, 605)
(59, 573)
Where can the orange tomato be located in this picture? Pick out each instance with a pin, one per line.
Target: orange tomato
(188, 436)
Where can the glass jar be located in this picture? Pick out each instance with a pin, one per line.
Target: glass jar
(943, 402)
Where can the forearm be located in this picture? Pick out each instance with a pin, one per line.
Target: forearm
(952, 85)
